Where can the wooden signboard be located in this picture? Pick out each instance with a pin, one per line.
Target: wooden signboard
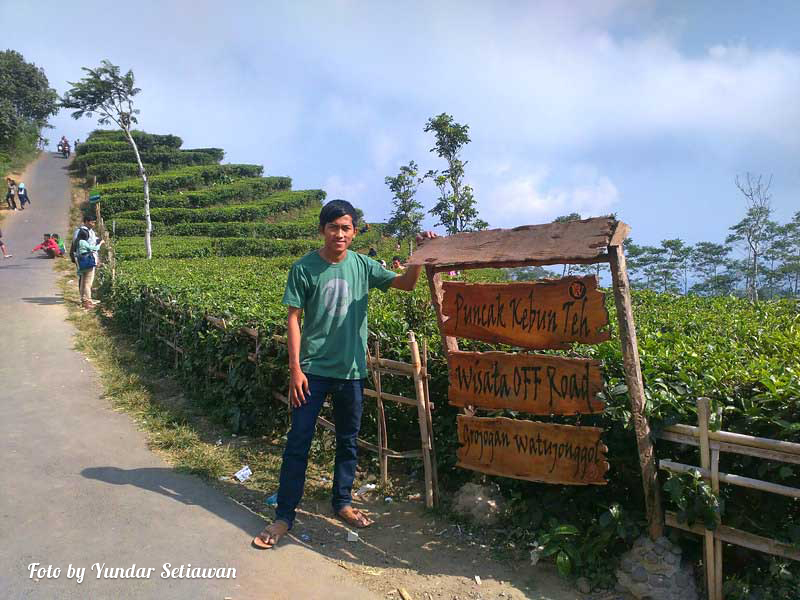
(534, 451)
(550, 313)
(531, 383)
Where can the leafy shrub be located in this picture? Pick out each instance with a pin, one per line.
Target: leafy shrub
(275, 206)
(185, 178)
(217, 153)
(91, 147)
(131, 248)
(300, 228)
(164, 157)
(239, 191)
(109, 172)
(145, 141)
(168, 246)
(285, 230)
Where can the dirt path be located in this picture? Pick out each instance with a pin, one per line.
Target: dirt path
(80, 486)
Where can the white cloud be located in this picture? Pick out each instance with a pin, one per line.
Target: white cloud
(533, 198)
(337, 187)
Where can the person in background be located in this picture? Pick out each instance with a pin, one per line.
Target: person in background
(11, 193)
(88, 227)
(397, 263)
(84, 250)
(75, 145)
(60, 243)
(49, 245)
(22, 194)
(372, 253)
(3, 247)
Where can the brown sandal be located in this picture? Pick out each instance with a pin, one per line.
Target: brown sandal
(271, 535)
(354, 517)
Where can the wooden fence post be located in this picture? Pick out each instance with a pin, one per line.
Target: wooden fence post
(428, 408)
(633, 378)
(705, 462)
(422, 413)
(383, 442)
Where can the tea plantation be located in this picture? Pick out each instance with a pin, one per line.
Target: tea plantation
(224, 237)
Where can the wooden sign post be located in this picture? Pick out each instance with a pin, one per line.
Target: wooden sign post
(548, 314)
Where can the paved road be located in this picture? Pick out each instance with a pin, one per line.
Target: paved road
(77, 483)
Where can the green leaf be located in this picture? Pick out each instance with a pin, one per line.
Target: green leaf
(564, 564)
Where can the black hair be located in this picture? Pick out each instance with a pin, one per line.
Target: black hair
(336, 209)
(83, 234)
(395, 257)
(87, 218)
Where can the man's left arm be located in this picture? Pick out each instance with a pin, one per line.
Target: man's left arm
(408, 279)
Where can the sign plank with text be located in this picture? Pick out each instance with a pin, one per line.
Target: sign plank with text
(544, 452)
(532, 383)
(551, 313)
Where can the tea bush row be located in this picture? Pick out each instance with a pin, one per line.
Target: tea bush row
(306, 226)
(185, 178)
(271, 208)
(91, 146)
(164, 157)
(109, 172)
(145, 141)
(167, 246)
(236, 192)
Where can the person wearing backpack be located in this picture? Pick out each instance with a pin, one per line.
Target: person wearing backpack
(88, 225)
(85, 253)
(22, 194)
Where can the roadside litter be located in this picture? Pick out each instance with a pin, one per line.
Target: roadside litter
(367, 487)
(272, 500)
(352, 536)
(243, 474)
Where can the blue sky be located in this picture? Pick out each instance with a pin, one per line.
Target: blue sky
(647, 109)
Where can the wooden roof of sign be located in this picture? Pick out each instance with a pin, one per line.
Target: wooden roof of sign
(575, 242)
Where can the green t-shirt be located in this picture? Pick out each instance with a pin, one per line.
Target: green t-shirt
(333, 297)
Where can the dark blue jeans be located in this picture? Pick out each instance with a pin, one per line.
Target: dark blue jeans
(347, 407)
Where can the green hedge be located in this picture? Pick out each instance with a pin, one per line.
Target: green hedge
(170, 246)
(145, 141)
(306, 227)
(100, 146)
(271, 208)
(185, 178)
(110, 172)
(217, 153)
(237, 192)
(165, 157)
(132, 248)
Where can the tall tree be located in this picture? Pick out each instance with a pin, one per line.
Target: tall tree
(109, 94)
(26, 101)
(455, 208)
(754, 230)
(707, 261)
(405, 221)
(675, 261)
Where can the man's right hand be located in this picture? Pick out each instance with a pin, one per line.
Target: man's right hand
(298, 388)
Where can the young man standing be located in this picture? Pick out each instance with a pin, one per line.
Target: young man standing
(328, 288)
